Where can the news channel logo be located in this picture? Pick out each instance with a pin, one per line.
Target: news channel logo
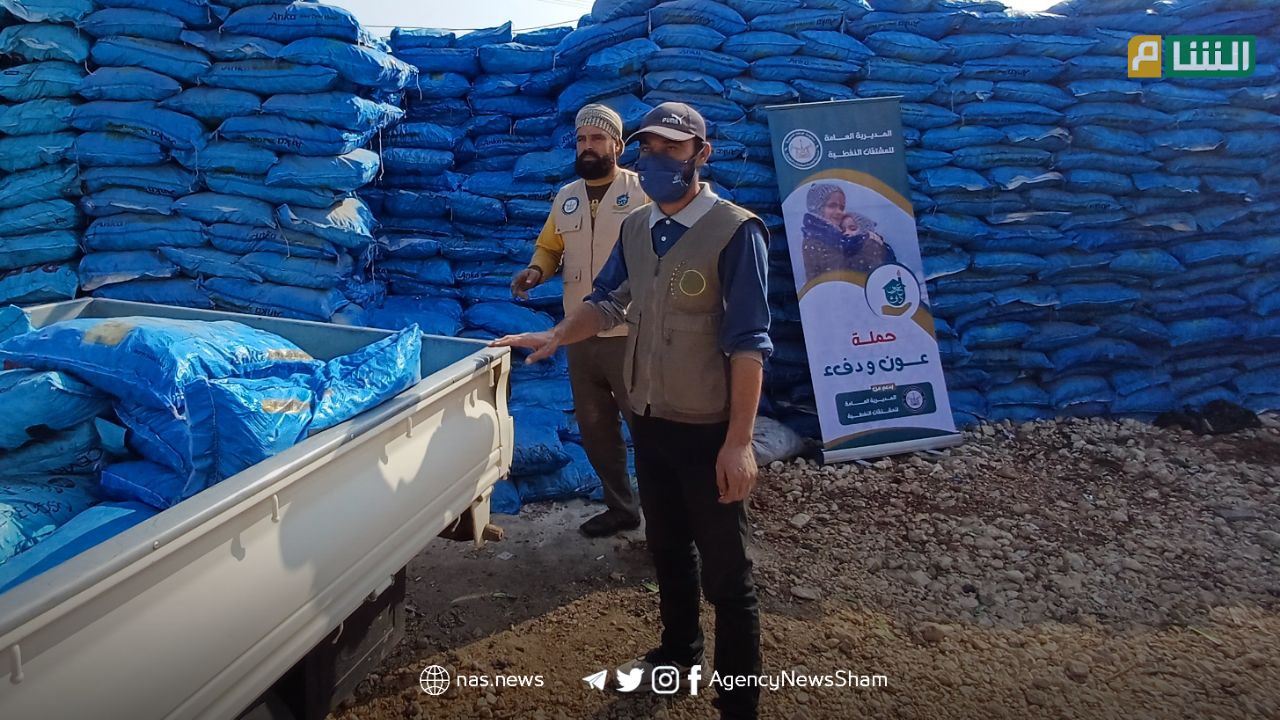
(1155, 56)
(434, 680)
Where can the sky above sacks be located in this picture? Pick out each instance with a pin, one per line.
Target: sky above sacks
(382, 15)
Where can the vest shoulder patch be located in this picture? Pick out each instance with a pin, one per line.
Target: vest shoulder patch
(570, 206)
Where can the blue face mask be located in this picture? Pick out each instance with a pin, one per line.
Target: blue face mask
(665, 179)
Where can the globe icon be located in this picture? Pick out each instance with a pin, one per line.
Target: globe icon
(434, 680)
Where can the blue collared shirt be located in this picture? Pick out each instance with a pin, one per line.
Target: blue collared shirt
(743, 268)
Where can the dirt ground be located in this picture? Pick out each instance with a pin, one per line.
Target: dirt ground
(1072, 570)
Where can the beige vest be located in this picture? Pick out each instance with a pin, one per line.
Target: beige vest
(674, 363)
(586, 250)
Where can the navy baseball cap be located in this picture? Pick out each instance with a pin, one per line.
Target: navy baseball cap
(673, 121)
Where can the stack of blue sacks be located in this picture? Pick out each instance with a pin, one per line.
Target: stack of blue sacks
(1094, 245)
(42, 60)
(225, 146)
(201, 401)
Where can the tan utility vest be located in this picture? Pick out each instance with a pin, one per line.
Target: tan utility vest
(674, 364)
(587, 249)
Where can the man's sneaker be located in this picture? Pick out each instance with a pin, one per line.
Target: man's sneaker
(639, 676)
(609, 522)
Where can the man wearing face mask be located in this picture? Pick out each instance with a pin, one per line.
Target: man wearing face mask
(689, 278)
(579, 235)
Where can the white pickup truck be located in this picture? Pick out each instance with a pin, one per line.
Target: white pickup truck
(272, 593)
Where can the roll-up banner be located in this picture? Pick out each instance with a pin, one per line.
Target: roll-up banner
(851, 232)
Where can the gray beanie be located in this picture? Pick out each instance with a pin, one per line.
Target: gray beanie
(600, 116)
(818, 194)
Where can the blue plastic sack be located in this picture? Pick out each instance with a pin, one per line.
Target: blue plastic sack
(904, 71)
(364, 379)
(195, 13)
(315, 273)
(755, 45)
(176, 61)
(415, 161)
(358, 65)
(343, 173)
(165, 179)
(107, 268)
(40, 80)
(348, 224)
(515, 57)
(802, 67)
(538, 448)
(127, 84)
(129, 21)
(26, 152)
(86, 530)
(428, 61)
(130, 231)
(118, 200)
(39, 42)
(435, 316)
(718, 17)
(232, 48)
(58, 11)
(485, 36)
(687, 36)
(100, 149)
(581, 43)
(44, 183)
(798, 21)
(336, 109)
(75, 451)
(45, 403)
(506, 318)
(205, 262)
(272, 300)
(211, 208)
(291, 136)
(36, 117)
(576, 479)
(294, 21)
(270, 77)
(41, 283)
(143, 119)
(20, 251)
(38, 216)
(31, 509)
(212, 105)
(228, 157)
(411, 38)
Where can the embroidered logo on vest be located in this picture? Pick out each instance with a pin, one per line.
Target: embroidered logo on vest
(692, 283)
(623, 199)
(570, 206)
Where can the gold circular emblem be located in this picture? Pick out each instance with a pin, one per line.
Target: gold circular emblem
(693, 283)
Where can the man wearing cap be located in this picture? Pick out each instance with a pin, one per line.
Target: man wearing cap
(579, 235)
(689, 278)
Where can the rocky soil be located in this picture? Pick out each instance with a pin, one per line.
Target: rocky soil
(1070, 569)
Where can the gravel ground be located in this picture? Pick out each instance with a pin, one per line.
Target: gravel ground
(1070, 569)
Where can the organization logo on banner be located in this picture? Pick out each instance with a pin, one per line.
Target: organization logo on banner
(1154, 56)
(802, 149)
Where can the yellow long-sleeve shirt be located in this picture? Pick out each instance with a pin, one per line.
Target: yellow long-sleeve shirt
(549, 249)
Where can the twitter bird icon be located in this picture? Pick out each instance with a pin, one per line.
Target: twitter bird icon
(596, 680)
(629, 681)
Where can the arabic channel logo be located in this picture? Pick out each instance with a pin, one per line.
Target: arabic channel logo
(1151, 56)
(802, 149)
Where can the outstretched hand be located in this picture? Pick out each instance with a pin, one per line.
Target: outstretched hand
(543, 344)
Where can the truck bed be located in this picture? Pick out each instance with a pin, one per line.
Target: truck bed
(197, 611)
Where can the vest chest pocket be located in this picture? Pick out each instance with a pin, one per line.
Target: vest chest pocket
(695, 373)
(568, 223)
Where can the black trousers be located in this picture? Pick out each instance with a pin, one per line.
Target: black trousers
(676, 472)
